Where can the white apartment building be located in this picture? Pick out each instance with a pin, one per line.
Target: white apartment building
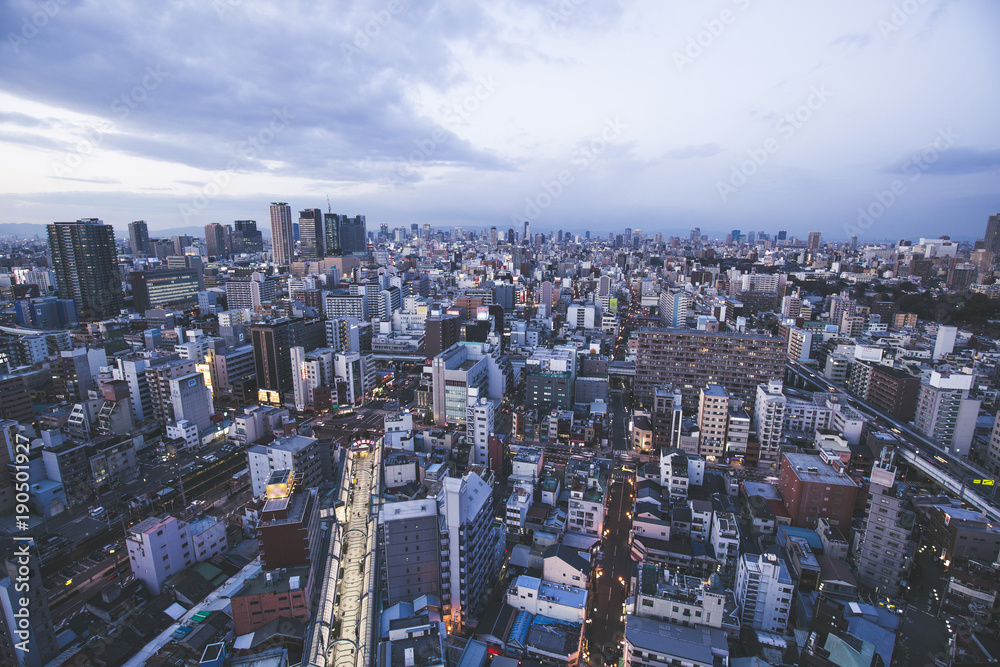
(945, 414)
(764, 592)
(768, 419)
(160, 547)
(558, 601)
(479, 424)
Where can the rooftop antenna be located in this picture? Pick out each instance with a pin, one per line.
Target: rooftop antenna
(329, 209)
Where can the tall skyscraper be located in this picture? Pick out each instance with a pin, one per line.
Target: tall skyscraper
(138, 236)
(815, 238)
(246, 238)
(311, 233)
(282, 241)
(215, 240)
(85, 261)
(527, 232)
(493, 237)
(993, 234)
(353, 235)
(331, 224)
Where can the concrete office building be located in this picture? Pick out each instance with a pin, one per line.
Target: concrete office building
(410, 535)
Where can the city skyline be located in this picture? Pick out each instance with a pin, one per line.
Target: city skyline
(574, 116)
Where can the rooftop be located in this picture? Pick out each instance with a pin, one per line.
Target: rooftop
(811, 468)
(699, 644)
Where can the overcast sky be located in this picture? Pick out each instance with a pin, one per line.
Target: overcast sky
(575, 115)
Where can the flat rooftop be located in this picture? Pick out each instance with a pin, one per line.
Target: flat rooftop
(813, 469)
(698, 645)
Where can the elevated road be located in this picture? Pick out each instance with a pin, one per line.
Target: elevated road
(949, 471)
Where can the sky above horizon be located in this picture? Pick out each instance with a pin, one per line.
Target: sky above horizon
(868, 117)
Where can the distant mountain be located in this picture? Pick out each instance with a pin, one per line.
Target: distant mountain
(22, 230)
(28, 230)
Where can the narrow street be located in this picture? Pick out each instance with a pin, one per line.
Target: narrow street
(614, 570)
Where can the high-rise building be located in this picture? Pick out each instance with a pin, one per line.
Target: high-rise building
(815, 238)
(217, 240)
(85, 261)
(992, 237)
(674, 305)
(353, 235)
(690, 359)
(138, 236)
(945, 413)
(475, 547)
(282, 240)
(272, 343)
(246, 238)
(764, 591)
(310, 371)
(312, 235)
(887, 546)
(440, 333)
(331, 227)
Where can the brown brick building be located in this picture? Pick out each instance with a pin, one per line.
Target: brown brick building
(812, 487)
